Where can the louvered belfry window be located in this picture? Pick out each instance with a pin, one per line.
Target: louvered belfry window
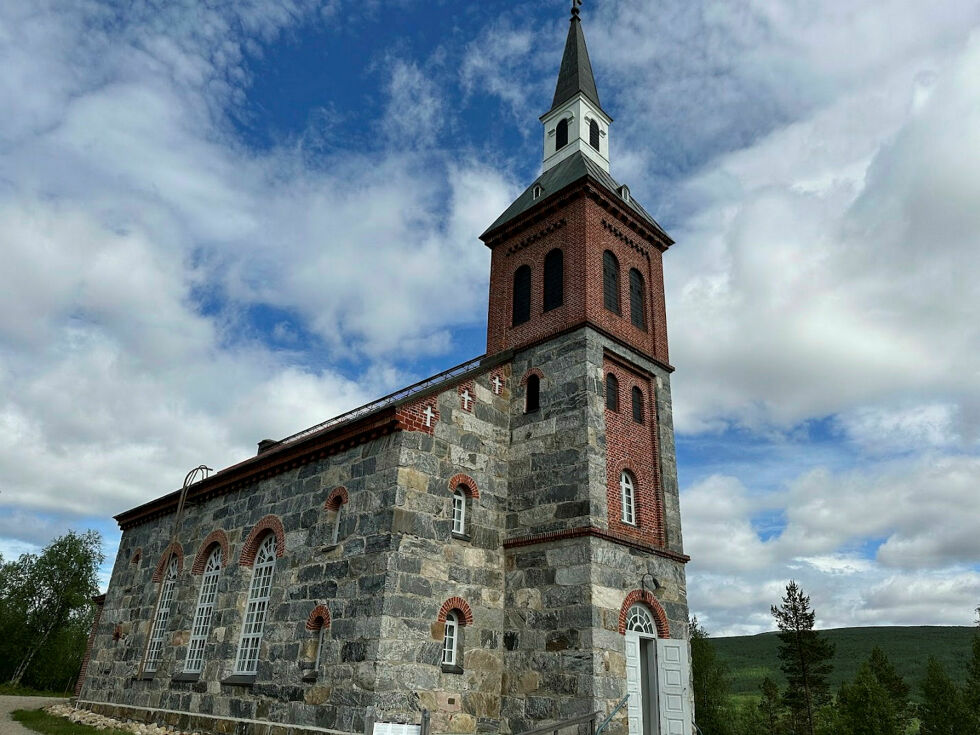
(594, 134)
(561, 134)
(637, 405)
(257, 607)
(610, 282)
(554, 279)
(204, 613)
(612, 392)
(522, 295)
(637, 301)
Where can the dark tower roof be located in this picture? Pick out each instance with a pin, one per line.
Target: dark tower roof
(576, 69)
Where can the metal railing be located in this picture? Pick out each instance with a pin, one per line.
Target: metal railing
(388, 400)
(605, 722)
(553, 729)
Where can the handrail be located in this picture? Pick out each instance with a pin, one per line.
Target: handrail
(562, 725)
(605, 722)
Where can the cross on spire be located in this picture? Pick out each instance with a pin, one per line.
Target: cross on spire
(576, 4)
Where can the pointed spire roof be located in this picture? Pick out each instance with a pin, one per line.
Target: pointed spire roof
(576, 70)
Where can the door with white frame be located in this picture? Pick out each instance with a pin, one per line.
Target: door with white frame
(657, 678)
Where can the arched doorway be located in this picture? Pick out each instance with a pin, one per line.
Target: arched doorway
(641, 671)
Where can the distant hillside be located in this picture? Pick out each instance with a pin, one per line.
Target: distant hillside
(752, 657)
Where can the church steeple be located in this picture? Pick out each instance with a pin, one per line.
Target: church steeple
(576, 120)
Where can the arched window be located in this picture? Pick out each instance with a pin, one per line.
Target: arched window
(257, 607)
(594, 134)
(205, 610)
(157, 635)
(638, 313)
(612, 392)
(561, 134)
(337, 516)
(627, 489)
(554, 279)
(610, 282)
(459, 511)
(532, 395)
(452, 647)
(637, 405)
(522, 295)
(639, 619)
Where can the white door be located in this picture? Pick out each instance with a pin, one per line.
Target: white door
(673, 679)
(634, 705)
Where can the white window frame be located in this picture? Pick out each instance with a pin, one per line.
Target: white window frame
(450, 640)
(627, 493)
(639, 620)
(321, 637)
(257, 607)
(459, 511)
(154, 651)
(335, 535)
(204, 613)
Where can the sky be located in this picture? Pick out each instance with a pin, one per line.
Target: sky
(227, 221)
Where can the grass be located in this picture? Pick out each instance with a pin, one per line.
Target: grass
(751, 658)
(21, 691)
(47, 724)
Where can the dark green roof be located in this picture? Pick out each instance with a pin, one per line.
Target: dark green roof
(576, 70)
(576, 166)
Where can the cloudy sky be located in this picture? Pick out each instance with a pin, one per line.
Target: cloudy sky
(226, 221)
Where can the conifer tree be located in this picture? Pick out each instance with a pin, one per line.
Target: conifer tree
(770, 707)
(711, 685)
(898, 691)
(804, 657)
(866, 707)
(971, 689)
(942, 711)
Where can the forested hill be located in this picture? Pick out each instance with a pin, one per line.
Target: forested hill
(752, 657)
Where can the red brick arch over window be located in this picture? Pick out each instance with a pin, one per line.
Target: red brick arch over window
(456, 603)
(174, 549)
(659, 616)
(338, 496)
(467, 482)
(251, 547)
(218, 537)
(529, 373)
(319, 618)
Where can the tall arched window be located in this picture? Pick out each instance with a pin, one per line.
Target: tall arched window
(561, 134)
(638, 312)
(532, 394)
(159, 631)
(257, 607)
(627, 489)
(554, 279)
(610, 282)
(612, 392)
(452, 641)
(594, 134)
(637, 405)
(204, 613)
(522, 295)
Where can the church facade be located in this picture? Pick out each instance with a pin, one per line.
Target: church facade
(498, 547)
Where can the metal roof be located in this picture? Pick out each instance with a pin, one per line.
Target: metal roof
(573, 168)
(576, 70)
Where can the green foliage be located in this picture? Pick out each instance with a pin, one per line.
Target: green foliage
(942, 711)
(40, 721)
(866, 707)
(898, 691)
(751, 659)
(971, 688)
(770, 708)
(45, 611)
(9, 690)
(804, 658)
(712, 706)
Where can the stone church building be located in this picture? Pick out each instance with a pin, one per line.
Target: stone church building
(491, 550)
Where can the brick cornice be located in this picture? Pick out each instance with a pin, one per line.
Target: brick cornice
(594, 532)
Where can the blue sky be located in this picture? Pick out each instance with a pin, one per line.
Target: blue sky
(225, 222)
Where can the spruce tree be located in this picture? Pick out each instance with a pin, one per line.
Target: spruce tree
(942, 711)
(866, 707)
(898, 691)
(971, 689)
(711, 685)
(804, 657)
(770, 707)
